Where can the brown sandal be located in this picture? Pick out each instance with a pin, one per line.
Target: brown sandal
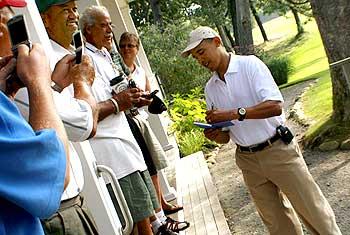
(173, 209)
(176, 226)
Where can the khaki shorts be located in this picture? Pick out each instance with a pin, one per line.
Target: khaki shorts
(72, 218)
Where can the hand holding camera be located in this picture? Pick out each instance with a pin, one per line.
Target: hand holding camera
(7, 68)
(33, 66)
(127, 98)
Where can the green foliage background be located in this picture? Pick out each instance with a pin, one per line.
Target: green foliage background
(178, 75)
(185, 109)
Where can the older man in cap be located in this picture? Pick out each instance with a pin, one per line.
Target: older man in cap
(76, 107)
(32, 157)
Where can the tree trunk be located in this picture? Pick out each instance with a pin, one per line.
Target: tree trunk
(244, 37)
(157, 14)
(225, 41)
(229, 36)
(258, 21)
(232, 9)
(332, 18)
(297, 21)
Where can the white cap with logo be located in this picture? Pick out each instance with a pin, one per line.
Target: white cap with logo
(197, 36)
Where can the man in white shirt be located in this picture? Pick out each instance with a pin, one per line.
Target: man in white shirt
(242, 89)
(114, 144)
(76, 107)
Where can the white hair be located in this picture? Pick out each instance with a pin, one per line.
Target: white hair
(88, 18)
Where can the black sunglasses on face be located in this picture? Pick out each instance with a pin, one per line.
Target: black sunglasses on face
(127, 45)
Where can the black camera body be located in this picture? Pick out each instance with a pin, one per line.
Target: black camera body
(79, 46)
(285, 134)
(18, 33)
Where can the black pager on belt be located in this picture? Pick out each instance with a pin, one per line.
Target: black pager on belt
(285, 134)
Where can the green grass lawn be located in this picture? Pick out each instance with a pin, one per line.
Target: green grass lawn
(309, 62)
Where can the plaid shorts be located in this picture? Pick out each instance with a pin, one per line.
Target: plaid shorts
(139, 194)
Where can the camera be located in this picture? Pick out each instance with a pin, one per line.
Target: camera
(18, 33)
(285, 134)
(119, 83)
(79, 47)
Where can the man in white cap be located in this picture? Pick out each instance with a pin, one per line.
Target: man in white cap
(242, 89)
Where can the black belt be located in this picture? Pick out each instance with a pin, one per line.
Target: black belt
(259, 147)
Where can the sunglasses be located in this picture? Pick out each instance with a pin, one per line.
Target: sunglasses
(129, 45)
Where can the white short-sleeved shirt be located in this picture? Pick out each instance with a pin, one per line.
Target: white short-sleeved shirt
(139, 76)
(248, 82)
(114, 144)
(77, 118)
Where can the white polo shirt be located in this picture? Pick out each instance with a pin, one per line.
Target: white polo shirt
(248, 82)
(77, 118)
(114, 144)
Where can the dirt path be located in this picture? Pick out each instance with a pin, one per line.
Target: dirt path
(331, 170)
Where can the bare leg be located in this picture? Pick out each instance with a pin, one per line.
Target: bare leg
(144, 228)
(156, 184)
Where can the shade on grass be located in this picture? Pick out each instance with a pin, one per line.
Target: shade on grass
(309, 62)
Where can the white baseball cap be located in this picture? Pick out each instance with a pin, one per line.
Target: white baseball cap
(197, 36)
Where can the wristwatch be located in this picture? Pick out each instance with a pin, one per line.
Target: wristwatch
(241, 113)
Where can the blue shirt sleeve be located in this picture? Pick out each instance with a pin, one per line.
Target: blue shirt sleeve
(32, 164)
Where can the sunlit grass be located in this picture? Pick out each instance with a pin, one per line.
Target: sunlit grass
(309, 61)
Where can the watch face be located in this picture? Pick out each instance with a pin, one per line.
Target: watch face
(242, 111)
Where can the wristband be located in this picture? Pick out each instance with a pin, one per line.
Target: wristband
(56, 87)
(115, 104)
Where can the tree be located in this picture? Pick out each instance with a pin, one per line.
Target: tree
(257, 19)
(244, 35)
(281, 7)
(297, 21)
(332, 18)
(157, 14)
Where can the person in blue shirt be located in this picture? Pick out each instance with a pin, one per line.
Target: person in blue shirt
(33, 156)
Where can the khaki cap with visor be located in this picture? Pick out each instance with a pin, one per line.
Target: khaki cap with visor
(197, 36)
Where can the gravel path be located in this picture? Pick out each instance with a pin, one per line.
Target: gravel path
(331, 170)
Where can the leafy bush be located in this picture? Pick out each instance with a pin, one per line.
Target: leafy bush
(184, 110)
(280, 68)
(163, 49)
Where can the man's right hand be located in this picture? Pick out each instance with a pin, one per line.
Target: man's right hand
(83, 72)
(33, 66)
(66, 72)
(128, 98)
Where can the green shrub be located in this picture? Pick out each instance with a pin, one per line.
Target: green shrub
(191, 141)
(184, 110)
(163, 49)
(280, 68)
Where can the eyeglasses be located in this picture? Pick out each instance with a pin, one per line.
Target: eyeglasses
(129, 45)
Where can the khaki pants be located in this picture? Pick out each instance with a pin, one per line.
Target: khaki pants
(281, 168)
